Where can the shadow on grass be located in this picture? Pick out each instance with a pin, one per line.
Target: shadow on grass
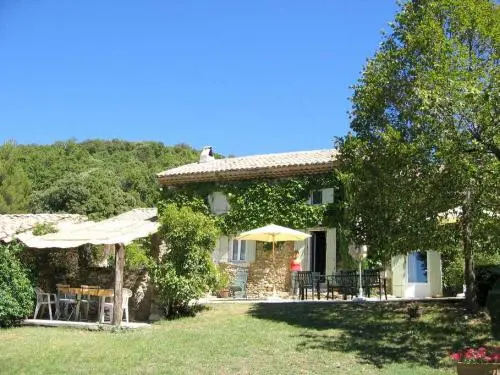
(380, 333)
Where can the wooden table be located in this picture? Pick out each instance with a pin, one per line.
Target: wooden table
(101, 293)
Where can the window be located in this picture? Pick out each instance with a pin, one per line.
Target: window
(317, 197)
(417, 267)
(239, 250)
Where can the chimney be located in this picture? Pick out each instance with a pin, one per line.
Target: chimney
(207, 154)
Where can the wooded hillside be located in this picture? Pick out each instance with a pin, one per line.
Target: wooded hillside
(96, 178)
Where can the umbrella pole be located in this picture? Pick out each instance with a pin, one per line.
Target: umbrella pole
(274, 271)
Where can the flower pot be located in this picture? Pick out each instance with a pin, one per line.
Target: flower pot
(478, 368)
(223, 293)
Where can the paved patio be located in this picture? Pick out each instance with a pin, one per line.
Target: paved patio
(91, 326)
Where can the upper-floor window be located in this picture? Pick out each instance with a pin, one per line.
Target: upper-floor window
(239, 252)
(321, 196)
(317, 197)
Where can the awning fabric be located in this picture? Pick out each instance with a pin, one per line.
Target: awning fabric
(121, 229)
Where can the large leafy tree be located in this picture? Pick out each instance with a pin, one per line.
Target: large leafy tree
(15, 187)
(426, 133)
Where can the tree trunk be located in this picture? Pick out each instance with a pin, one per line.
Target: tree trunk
(470, 277)
(117, 302)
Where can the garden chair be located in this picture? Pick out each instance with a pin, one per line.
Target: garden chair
(46, 299)
(126, 294)
(372, 279)
(332, 286)
(348, 283)
(307, 280)
(239, 284)
(89, 296)
(66, 300)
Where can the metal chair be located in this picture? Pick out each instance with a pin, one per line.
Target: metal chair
(239, 284)
(372, 279)
(307, 280)
(66, 300)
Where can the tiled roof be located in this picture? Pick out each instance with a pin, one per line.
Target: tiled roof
(18, 223)
(247, 167)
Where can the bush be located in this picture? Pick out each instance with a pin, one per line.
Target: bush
(16, 292)
(493, 305)
(186, 271)
(486, 276)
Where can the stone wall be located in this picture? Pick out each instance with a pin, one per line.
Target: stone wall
(262, 273)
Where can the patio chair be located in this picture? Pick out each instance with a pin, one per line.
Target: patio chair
(89, 295)
(239, 284)
(371, 280)
(307, 280)
(66, 300)
(348, 283)
(332, 286)
(45, 299)
(126, 294)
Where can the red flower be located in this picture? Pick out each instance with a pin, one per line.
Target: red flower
(480, 355)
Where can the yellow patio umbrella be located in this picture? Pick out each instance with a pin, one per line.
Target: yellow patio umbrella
(273, 233)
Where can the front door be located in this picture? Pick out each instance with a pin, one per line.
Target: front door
(318, 252)
(418, 277)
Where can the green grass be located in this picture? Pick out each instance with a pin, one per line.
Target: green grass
(298, 338)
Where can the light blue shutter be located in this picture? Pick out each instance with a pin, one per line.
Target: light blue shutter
(251, 245)
(327, 195)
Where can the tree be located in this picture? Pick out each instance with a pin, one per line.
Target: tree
(186, 271)
(425, 116)
(16, 292)
(15, 186)
(96, 194)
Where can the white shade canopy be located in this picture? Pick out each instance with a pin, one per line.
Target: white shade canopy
(273, 233)
(122, 229)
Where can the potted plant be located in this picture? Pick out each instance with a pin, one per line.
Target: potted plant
(481, 361)
(223, 280)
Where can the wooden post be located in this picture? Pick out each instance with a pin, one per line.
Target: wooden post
(117, 302)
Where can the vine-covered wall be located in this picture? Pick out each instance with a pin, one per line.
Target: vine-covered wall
(258, 203)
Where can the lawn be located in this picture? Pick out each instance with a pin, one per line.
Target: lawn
(299, 338)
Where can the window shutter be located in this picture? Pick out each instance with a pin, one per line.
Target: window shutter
(230, 249)
(224, 248)
(251, 245)
(218, 203)
(398, 268)
(328, 195)
(435, 273)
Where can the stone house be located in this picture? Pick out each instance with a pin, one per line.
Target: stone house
(415, 275)
(318, 253)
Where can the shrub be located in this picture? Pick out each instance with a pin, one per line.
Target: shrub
(16, 292)
(486, 276)
(493, 305)
(186, 271)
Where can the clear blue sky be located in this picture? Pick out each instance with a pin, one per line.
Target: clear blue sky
(247, 77)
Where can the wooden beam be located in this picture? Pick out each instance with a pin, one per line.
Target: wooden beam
(117, 301)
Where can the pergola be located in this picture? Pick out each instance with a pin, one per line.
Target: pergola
(119, 231)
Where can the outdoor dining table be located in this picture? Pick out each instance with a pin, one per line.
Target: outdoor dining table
(101, 293)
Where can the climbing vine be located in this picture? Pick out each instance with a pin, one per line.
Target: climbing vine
(257, 203)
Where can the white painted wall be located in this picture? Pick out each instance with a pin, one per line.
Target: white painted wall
(402, 288)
